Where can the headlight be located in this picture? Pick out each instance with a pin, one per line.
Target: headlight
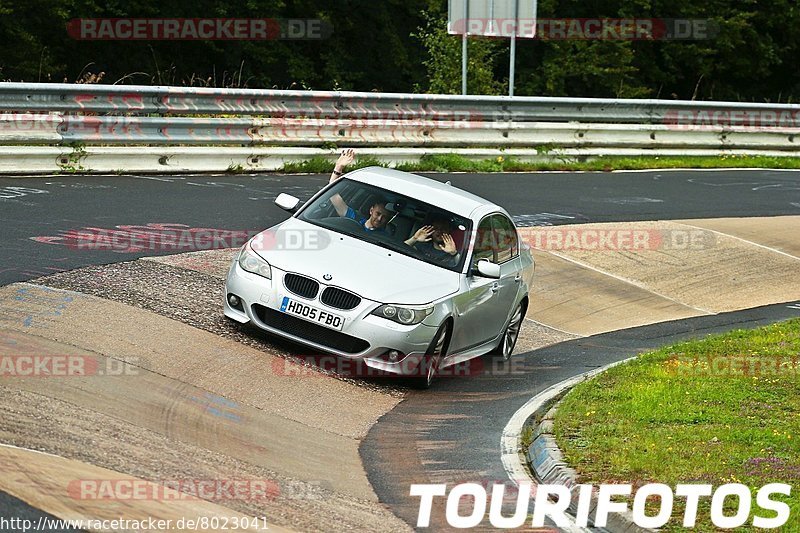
(403, 315)
(251, 262)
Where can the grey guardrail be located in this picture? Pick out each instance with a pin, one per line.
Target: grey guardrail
(117, 128)
(66, 130)
(136, 99)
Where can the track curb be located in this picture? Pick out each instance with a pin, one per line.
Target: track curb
(543, 460)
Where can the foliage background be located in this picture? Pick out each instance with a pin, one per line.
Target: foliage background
(401, 45)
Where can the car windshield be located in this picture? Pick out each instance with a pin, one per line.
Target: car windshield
(399, 223)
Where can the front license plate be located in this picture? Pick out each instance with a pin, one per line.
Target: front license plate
(312, 314)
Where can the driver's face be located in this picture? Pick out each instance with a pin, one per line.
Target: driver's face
(378, 216)
(438, 230)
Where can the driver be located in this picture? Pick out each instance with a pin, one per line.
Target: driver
(378, 214)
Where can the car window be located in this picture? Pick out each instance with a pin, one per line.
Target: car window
(484, 243)
(403, 218)
(506, 238)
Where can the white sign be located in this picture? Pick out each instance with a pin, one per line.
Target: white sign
(492, 18)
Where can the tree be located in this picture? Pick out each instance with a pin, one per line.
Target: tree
(402, 45)
(443, 61)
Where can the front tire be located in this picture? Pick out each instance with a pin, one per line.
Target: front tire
(433, 358)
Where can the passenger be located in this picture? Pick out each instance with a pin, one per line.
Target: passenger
(378, 214)
(435, 243)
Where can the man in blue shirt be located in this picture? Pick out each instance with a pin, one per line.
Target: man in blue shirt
(378, 214)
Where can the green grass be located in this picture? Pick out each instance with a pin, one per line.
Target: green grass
(458, 163)
(526, 437)
(724, 409)
(321, 165)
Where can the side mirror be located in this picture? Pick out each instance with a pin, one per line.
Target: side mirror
(488, 269)
(287, 202)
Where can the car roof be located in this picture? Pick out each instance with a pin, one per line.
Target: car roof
(446, 196)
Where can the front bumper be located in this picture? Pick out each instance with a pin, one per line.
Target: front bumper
(363, 338)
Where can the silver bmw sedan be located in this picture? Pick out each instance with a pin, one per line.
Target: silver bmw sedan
(392, 270)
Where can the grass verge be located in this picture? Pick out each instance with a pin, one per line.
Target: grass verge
(458, 163)
(725, 409)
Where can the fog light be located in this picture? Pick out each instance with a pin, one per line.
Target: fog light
(234, 300)
(392, 356)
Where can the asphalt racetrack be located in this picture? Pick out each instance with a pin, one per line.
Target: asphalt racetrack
(53, 206)
(451, 433)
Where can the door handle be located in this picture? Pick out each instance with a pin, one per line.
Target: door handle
(517, 278)
(495, 287)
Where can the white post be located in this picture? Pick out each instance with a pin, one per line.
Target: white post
(464, 49)
(511, 66)
(513, 54)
